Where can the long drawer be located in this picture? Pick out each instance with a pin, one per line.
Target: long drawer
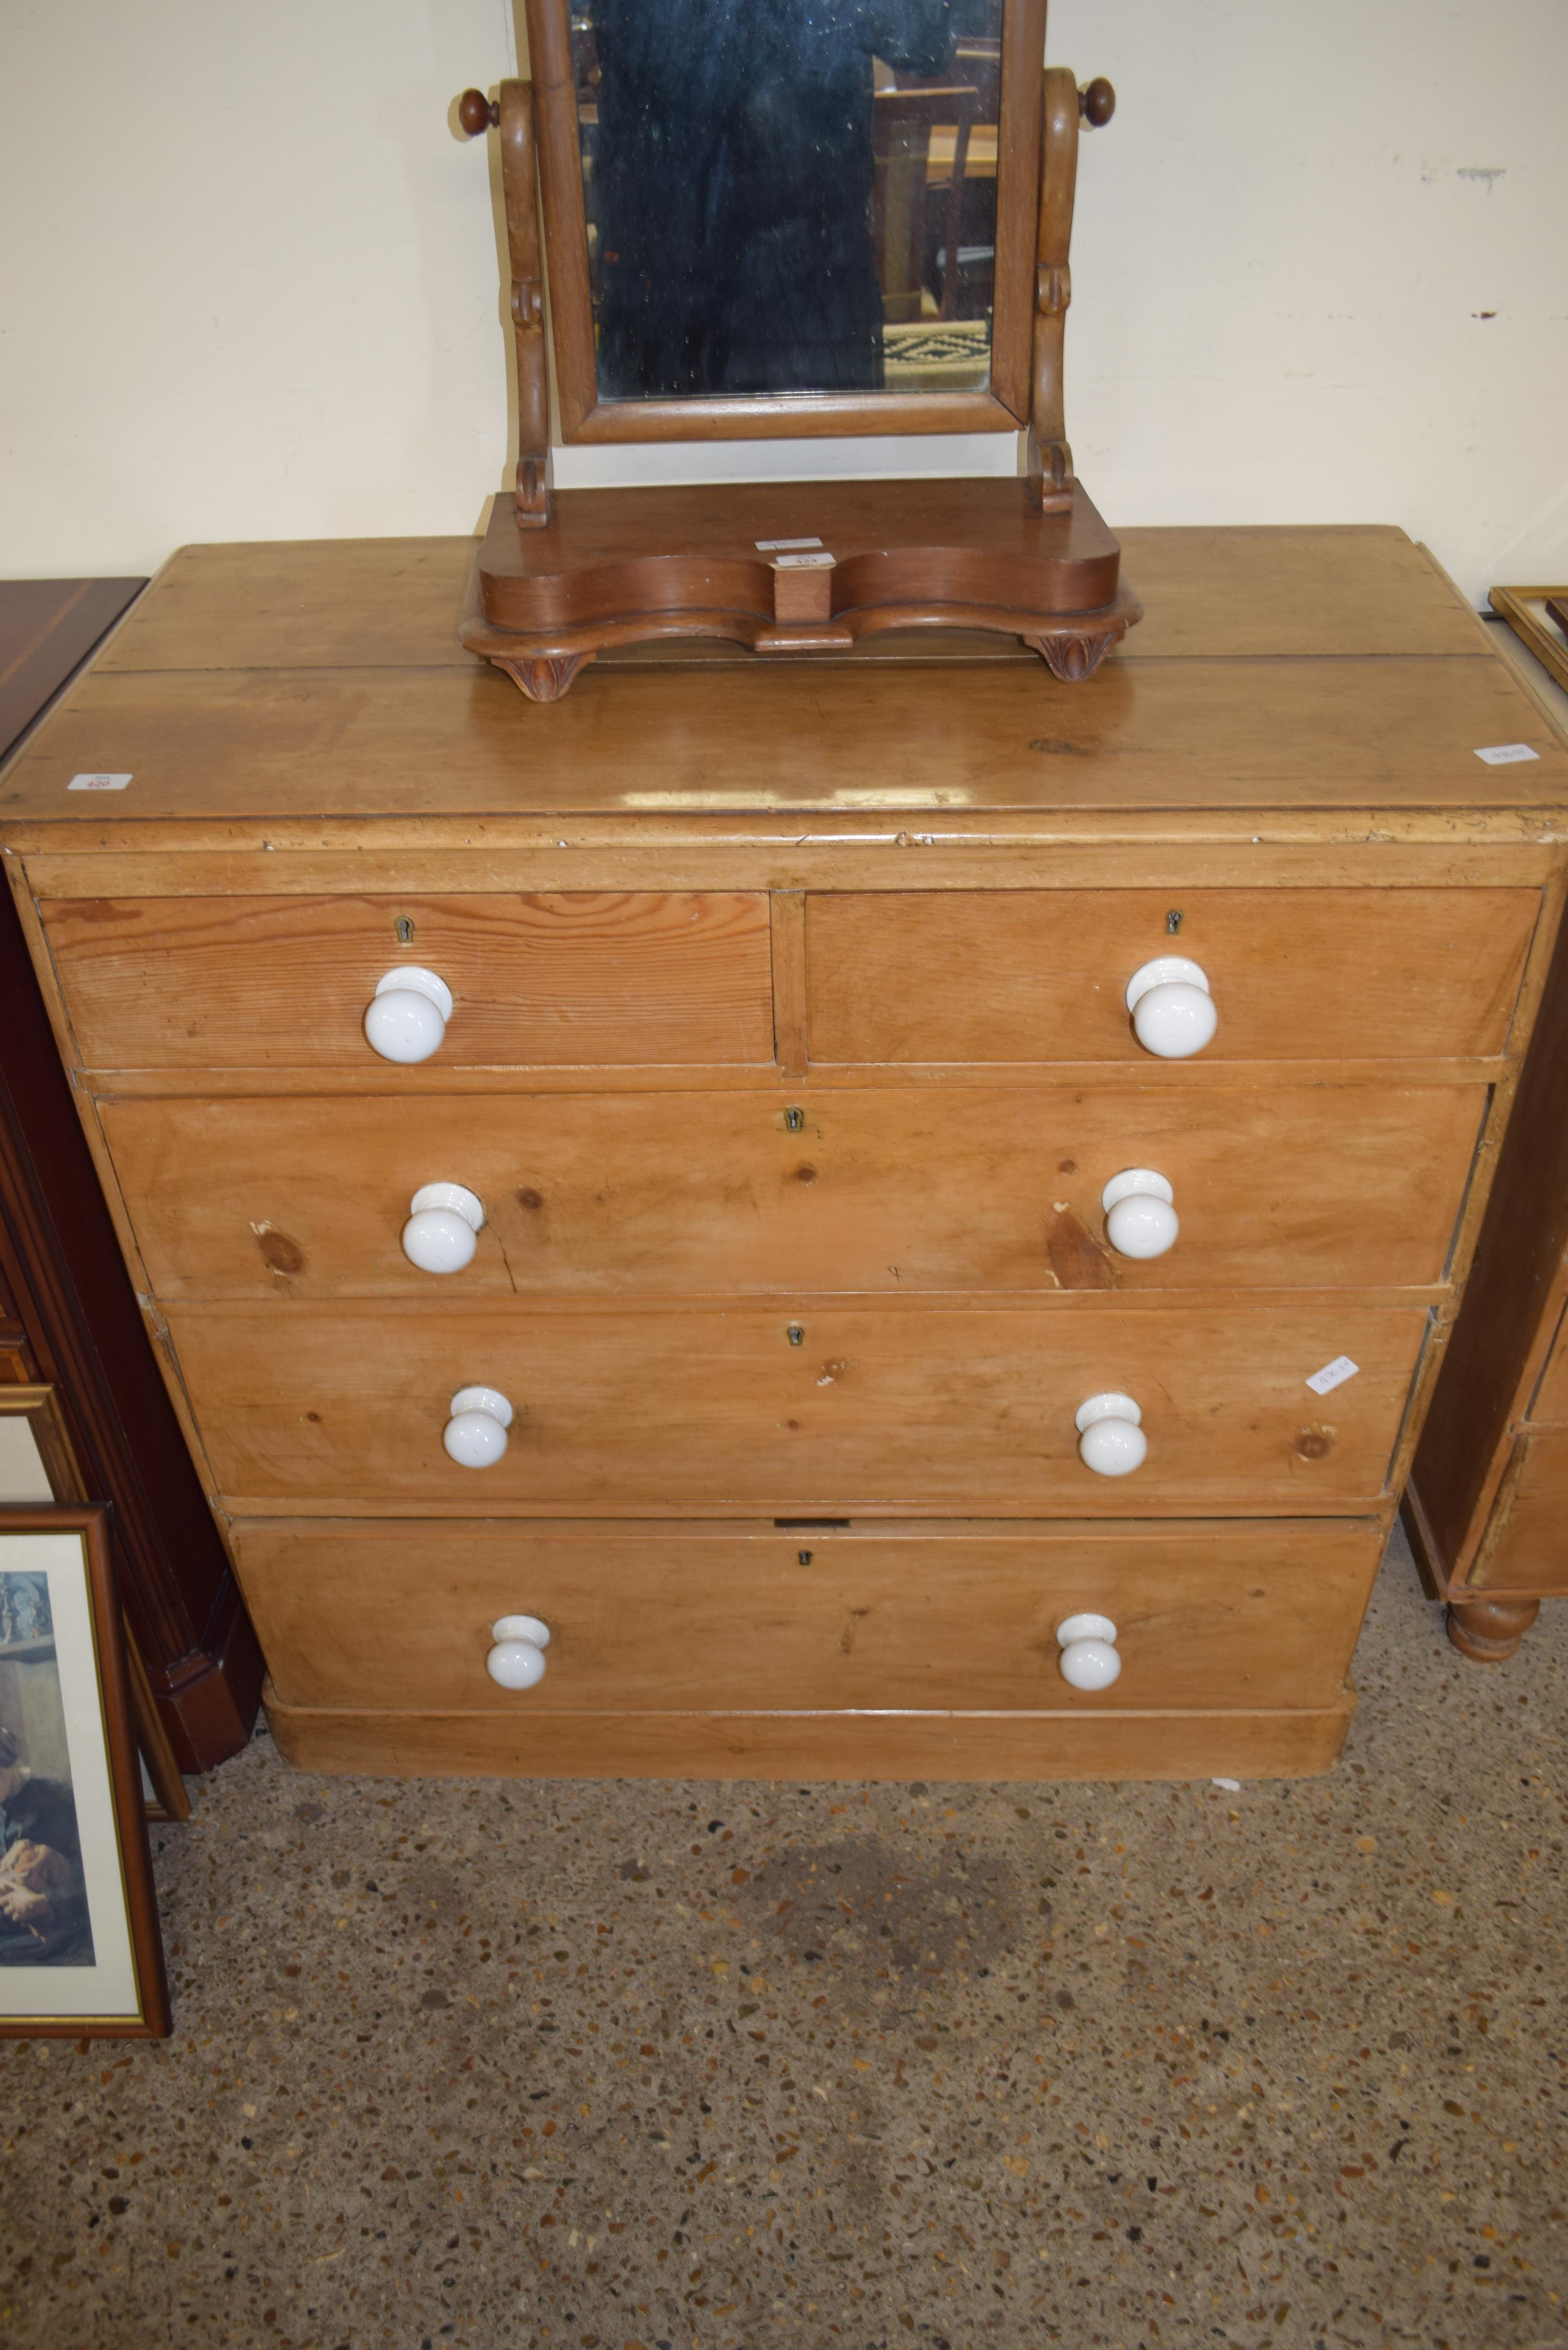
(1041, 976)
(579, 979)
(893, 1191)
(924, 1408)
(396, 1613)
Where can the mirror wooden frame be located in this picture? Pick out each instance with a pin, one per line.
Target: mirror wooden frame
(585, 417)
(802, 568)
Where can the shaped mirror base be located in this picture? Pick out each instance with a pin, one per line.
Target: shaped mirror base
(635, 564)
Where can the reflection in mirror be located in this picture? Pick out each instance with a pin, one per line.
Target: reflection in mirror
(789, 195)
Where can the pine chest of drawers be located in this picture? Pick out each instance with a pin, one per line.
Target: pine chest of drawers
(880, 1154)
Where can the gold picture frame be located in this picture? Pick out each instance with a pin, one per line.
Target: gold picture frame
(1524, 610)
(37, 1460)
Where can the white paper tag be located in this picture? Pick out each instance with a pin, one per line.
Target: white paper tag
(1332, 1375)
(803, 563)
(1506, 754)
(778, 546)
(97, 783)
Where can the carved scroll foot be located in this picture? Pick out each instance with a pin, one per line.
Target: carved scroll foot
(1489, 1631)
(1076, 654)
(542, 680)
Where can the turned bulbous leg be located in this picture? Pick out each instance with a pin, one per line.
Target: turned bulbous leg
(1489, 1631)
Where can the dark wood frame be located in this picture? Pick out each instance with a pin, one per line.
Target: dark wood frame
(79, 1328)
(151, 2020)
(559, 580)
(584, 416)
(41, 1406)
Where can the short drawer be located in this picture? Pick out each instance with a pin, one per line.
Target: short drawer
(398, 1613)
(1526, 1545)
(1023, 975)
(891, 1191)
(577, 980)
(1549, 1404)
(735, 1410)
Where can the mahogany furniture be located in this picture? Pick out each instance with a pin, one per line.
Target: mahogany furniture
(670, 1249)
(563, 576)
(1487, 1506)
(70, 1328)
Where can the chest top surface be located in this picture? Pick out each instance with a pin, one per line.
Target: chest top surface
(1278, 669)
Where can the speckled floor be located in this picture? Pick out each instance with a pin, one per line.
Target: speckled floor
(496, 2063)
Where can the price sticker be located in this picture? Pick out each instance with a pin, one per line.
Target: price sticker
(1332, 1375)
(1506, 754)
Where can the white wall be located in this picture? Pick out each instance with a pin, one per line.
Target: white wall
(248, 279)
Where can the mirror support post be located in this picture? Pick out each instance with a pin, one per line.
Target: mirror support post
(531, 499)
(1050, 458)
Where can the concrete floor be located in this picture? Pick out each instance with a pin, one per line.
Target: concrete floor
(496, 2063)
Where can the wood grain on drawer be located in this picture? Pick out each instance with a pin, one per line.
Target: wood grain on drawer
(1041, 976)
(892, 1192)
(594, 978)
(927, 1408)
(396, 1613)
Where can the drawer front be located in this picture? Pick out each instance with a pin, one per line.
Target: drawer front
(921, 1408)
(1526, 1550)
(397, 1614)
(891, 1191)
(584, 978)
(1041, 976)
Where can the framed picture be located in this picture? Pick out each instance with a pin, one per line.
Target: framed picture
(38, 1465)
(81, 1955)
(1539, 619)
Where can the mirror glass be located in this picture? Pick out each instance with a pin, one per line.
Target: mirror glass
(789, 195)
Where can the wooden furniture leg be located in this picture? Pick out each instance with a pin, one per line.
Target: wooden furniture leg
(1489, 1631)
(1076, 650)
(543, 678)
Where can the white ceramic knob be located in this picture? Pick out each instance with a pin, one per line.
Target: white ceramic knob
(1089, 1645)
(406, 1018)
(517, 1658)
(1172, 1010)
(475, 1435)
(1140, 1220)
(443, 1220)
(1111, 1441)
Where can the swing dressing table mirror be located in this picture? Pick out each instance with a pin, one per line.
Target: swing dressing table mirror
(766, 223)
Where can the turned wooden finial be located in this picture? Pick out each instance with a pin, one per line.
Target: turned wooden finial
(476, 112)
(1096, 102)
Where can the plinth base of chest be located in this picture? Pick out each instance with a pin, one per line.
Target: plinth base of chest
(1077, 1744)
